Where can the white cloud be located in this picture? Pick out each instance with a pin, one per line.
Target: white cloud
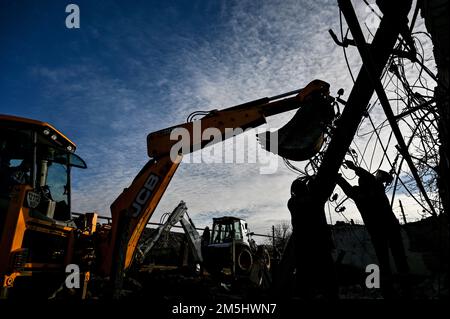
(262, 49)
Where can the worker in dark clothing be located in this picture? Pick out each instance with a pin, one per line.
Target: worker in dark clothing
(380, 221)
(206, 237)
(13, 175)
(205, 241)
(315, 275)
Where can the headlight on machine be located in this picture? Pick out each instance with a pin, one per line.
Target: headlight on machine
(33, 199)
(20, 258)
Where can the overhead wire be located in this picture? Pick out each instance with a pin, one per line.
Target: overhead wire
(398, 91)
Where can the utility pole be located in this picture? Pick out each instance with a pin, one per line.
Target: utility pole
(394, 17)
(273, 237)
(403, 211)
(368, 62)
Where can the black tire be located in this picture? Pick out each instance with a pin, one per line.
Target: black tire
(244, 261)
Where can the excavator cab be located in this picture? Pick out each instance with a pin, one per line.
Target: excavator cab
(227, 229)
(35, 213)
(35, 154)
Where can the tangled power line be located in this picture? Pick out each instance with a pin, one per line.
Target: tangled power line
(409, 84)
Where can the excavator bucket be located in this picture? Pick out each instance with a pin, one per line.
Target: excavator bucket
(303, 136)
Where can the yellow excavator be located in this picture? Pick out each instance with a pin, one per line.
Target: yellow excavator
(39, 237)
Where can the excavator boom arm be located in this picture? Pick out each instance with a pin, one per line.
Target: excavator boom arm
(248, 115)
(133, 208)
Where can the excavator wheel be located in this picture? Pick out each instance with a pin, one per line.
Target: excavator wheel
(244, 261)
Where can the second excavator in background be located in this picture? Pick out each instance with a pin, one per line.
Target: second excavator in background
(229, 249)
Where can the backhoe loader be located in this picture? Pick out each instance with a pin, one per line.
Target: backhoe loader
(39, 237)
(231, 244)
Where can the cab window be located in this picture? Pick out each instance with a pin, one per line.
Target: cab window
(53, 172)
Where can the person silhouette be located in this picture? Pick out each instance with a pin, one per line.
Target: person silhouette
(314, 265)
(380, 221)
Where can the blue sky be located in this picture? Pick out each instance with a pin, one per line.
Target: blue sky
(138, 66)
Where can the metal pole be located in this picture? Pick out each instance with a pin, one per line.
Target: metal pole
(233, 253)
(403, 211)
(159, 224)
(381, 48)
(34, 159)
(273, 237)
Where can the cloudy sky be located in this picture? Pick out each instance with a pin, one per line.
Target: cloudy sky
(134, 67)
